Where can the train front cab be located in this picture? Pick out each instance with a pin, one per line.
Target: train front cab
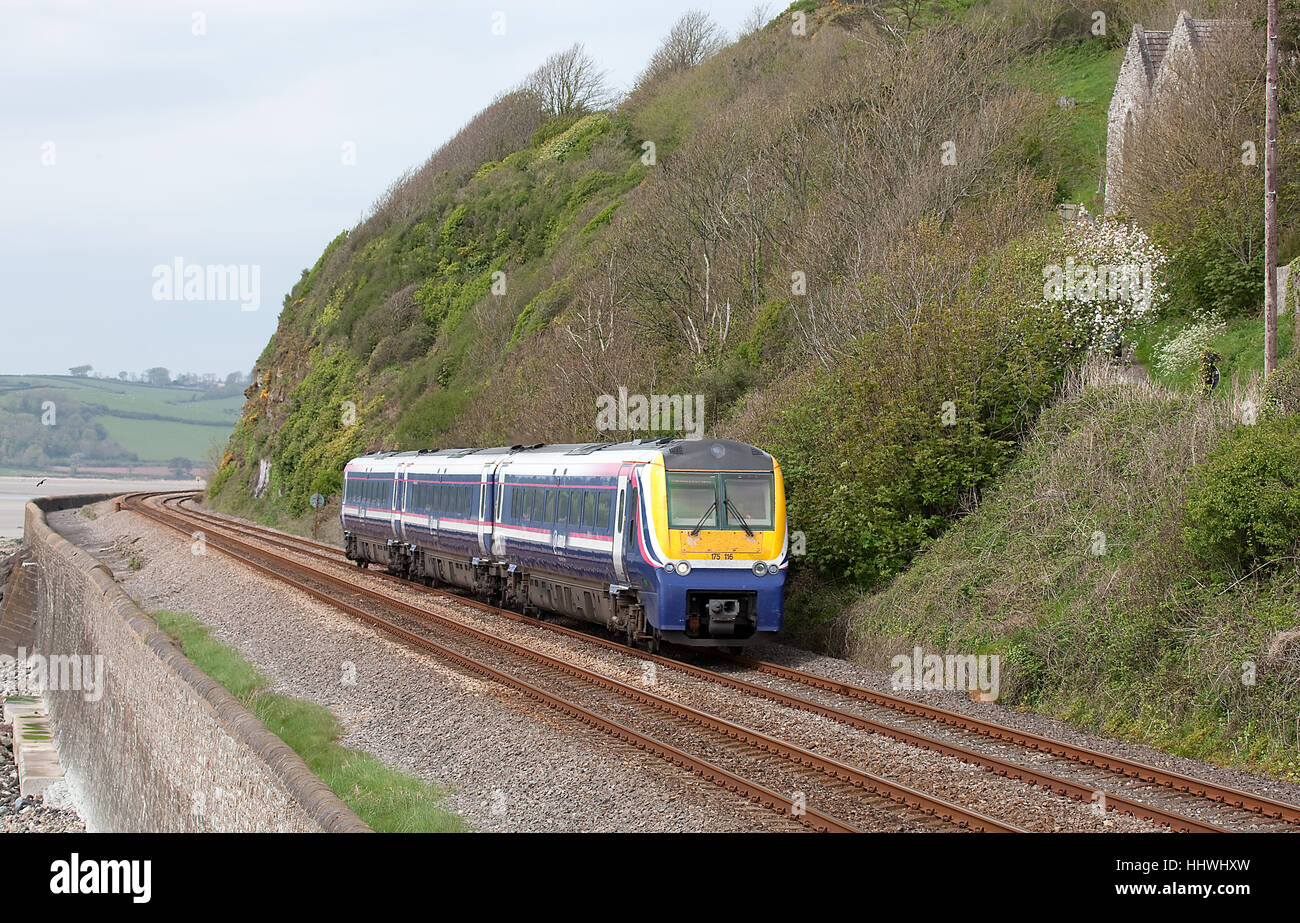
(714, 552)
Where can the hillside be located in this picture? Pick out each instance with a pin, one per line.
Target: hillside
(845, 256)
(111, 424)
(542, 258)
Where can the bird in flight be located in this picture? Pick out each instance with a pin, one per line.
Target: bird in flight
(40, 482)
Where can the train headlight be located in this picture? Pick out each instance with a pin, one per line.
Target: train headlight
(683, 568)
(773, 569)
(759, 568)
(670, 568)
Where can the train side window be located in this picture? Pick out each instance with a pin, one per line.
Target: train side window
(514, 503)
(562, 507)
(466, 501)
(527, 511)
(602, 512)
(575, 507)
(589, 508)
(549, 514)
(619, 516)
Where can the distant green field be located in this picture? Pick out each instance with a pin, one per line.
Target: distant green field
(160, 441)
(156, 423)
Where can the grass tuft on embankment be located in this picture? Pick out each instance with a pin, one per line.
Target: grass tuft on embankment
(388, 800)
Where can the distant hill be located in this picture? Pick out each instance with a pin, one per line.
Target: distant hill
(46, 420)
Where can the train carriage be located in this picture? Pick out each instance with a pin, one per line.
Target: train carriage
(659, 540)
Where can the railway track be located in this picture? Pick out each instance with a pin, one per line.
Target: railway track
(666, 728)
(1118, 767)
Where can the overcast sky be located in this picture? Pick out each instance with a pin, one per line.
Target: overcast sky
(128, 141)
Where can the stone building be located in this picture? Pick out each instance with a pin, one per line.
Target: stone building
(1152, 68)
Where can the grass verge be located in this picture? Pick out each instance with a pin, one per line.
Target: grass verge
(387, 800)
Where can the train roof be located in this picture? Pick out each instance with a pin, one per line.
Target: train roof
(680, 454)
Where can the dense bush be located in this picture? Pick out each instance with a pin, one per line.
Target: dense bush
(884, 449)
(1243, 507)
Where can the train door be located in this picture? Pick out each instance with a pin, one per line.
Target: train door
(625, 474)
(499, 495)
(560, 520)
(435, 507)
(399, 501)
(484, 510)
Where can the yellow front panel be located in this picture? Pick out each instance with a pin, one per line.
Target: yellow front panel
(714, 544)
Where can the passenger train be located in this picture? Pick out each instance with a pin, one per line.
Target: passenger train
(677, 540)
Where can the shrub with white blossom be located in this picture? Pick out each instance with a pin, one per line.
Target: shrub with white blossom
(1110, 276)
(1185, 349)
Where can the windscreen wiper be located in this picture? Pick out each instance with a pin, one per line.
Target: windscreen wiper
(731, 506)
(700, 525)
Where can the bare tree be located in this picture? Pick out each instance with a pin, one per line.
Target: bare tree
(570, 81)
(756, 19)
(694, 38)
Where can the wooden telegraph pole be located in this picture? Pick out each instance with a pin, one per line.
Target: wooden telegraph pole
(1270, 197)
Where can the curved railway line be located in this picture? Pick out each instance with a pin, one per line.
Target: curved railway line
(565, 688)
(707, 733)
